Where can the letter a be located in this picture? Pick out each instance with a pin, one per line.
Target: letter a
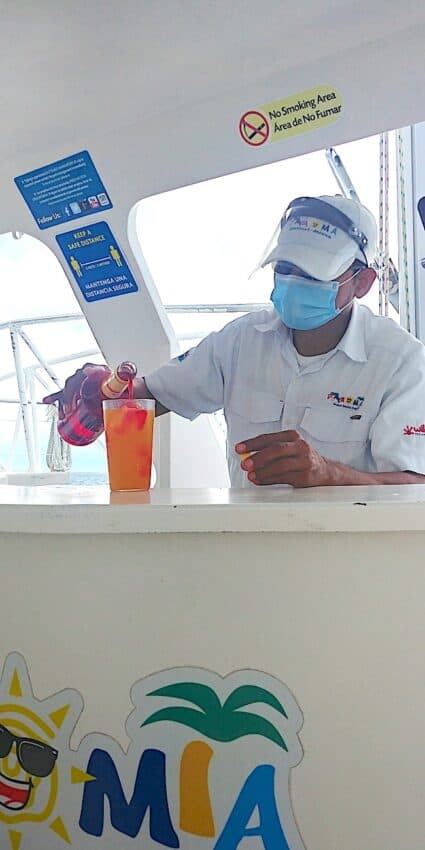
(258, 791)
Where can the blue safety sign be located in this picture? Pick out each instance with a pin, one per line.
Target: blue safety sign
(67, 189)
(97, 262)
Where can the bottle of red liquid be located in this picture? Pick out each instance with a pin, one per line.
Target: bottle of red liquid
(80, 402)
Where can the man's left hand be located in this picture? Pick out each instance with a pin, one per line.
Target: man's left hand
(285, 458)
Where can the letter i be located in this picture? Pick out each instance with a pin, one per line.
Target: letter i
(196, 815)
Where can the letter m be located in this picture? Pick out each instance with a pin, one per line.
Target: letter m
(150, 792)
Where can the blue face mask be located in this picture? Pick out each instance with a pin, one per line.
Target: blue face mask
(304, 306)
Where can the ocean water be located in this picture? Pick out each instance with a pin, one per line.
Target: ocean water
(86, 478)
(88, 463)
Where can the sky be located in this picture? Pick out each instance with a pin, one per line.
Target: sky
(201, 243)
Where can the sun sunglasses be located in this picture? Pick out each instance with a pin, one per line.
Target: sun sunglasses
(34, 757)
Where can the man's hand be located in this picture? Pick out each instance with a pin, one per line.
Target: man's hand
(285, 458)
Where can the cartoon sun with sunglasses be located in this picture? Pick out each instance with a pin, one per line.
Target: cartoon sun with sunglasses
(36, 762)
(24, 762)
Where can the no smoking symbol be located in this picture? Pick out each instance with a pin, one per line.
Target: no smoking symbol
(254, 128)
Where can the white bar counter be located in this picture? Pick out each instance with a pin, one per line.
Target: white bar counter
(95, 510)
(323, 589)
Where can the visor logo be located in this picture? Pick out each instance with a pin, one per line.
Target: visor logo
(322, 228)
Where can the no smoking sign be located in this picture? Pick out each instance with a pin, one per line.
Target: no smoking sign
(254, 128)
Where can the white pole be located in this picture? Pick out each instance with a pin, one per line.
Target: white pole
(34, 350)
(20, 377)
(40, 378)
(35, 431)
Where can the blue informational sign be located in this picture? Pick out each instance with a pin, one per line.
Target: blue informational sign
(97, 262)
(67, 189)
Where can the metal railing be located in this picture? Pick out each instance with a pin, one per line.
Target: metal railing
(42, 371)
(27, 378)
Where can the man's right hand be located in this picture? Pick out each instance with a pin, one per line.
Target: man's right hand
(140, 390)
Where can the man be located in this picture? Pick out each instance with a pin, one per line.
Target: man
(317, 390)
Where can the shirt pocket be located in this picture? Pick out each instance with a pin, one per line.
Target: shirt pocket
(335, 435)
(252, 412)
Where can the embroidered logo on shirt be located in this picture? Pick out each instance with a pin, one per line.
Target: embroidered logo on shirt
(411, 430)
(351, 402)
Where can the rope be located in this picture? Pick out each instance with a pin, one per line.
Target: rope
(383, 244)
(403, 261)
(58, 453)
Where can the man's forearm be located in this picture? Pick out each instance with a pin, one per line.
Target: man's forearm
(141, 391)
(341, 475)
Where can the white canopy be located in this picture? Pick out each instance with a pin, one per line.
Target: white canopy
(154, 89)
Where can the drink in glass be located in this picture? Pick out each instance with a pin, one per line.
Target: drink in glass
(129, 436)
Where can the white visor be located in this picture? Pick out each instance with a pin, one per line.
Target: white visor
(321, 249)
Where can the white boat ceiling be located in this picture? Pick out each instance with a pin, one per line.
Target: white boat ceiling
(154, 88)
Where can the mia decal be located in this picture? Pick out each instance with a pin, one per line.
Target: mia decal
(207, 766)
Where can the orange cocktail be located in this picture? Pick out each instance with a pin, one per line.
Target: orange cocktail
(129, 436)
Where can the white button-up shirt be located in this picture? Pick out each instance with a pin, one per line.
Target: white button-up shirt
(363, 405)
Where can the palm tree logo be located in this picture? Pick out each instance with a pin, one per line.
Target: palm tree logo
(219, 721)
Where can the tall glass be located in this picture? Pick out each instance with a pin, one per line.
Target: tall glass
(129, 437)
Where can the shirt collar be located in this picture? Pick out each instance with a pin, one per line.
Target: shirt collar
(270, 322)
(352, 343)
